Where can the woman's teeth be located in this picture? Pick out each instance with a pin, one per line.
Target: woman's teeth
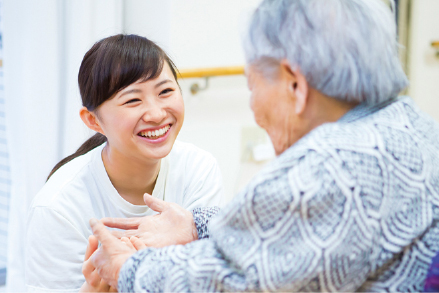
(155, 133)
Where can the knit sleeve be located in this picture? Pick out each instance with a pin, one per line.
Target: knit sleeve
(294, 228)
(202, 218)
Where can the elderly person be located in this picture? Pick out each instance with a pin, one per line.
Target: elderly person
(352, 200)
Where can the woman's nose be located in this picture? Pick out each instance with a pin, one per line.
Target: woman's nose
(154, 113)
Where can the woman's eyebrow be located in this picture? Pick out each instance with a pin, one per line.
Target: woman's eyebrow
(133, 91)
(162, 82)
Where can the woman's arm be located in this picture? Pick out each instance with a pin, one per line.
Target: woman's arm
(54, 252)
(173, 225)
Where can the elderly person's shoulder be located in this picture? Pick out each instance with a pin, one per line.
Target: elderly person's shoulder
(395, 132)
(395, 126)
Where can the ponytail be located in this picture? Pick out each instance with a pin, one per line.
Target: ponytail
(94, 141)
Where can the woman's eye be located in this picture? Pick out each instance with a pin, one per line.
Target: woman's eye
(164, 92)
(132, 101)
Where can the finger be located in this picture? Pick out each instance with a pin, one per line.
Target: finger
(112, 289)
(120, 234)
(101, 233)
(93, 244)
(153, 203)
(94, 279)
(137, 243)
(121, 223)
(117, 234)
(87, 269)
(127, 242)
(90, 273)
(104, 287)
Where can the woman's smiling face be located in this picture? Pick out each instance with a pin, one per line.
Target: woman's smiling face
(143, 120)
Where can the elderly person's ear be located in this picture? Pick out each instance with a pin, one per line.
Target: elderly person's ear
(297, 85)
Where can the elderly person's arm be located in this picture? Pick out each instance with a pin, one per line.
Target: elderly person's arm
(202, 217)
(293, 228)
(312, 221)
(172, 225)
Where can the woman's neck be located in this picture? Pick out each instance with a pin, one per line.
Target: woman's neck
(130, 177)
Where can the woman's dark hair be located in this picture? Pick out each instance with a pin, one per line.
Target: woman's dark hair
(108, 67)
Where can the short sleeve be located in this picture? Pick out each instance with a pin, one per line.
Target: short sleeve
(55, 252)
(205, 188)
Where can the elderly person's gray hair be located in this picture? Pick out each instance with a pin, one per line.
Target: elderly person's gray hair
(347, 49)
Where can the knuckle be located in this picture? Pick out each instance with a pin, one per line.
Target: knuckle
(95, 282)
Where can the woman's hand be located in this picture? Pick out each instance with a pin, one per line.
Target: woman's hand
(93, 282)
(103, 287)
(173, 225)
(107, 261)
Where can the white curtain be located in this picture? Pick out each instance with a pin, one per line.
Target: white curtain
(44, 42)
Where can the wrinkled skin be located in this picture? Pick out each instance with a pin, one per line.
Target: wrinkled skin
(107, 259)
(172, 226)
(93, 282)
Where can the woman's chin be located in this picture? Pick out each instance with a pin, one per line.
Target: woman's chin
(157, 152)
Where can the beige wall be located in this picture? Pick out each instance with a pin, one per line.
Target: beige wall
(423, 63)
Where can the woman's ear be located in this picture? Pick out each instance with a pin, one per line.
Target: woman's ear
(90, 119)
(297, 85)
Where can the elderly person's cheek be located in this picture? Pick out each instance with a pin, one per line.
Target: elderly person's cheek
(258, 111)
(252, 103)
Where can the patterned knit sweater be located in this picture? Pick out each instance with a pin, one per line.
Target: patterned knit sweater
(352, 206)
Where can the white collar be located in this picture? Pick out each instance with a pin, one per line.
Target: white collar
(105, 185)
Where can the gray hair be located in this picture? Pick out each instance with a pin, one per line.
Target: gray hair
(346, 49)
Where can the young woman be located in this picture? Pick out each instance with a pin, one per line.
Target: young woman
(131, 98)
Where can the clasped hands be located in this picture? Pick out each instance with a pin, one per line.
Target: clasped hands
(172, 226)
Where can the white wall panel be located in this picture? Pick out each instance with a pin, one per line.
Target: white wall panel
(423, 63)
(44, 42)
(32, 85)
(86, 22)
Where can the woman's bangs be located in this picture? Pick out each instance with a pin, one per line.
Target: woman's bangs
(136, 60)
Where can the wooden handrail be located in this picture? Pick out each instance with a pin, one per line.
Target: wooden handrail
(435, 45)
(215, 71)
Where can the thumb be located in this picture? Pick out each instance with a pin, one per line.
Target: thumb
(153, 203)
(93, 244)
(101, 233)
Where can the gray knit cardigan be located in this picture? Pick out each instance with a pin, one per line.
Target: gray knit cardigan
(354, 205)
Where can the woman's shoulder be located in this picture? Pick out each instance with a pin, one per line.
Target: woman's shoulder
(71, 179)
(195, 176)
(184, 152)
(188, 164)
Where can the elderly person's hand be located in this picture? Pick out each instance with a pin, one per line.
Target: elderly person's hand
(93, 282)
(173, 225)
(109, 258)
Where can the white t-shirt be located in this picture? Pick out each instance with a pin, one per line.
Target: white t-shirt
(58, 228)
